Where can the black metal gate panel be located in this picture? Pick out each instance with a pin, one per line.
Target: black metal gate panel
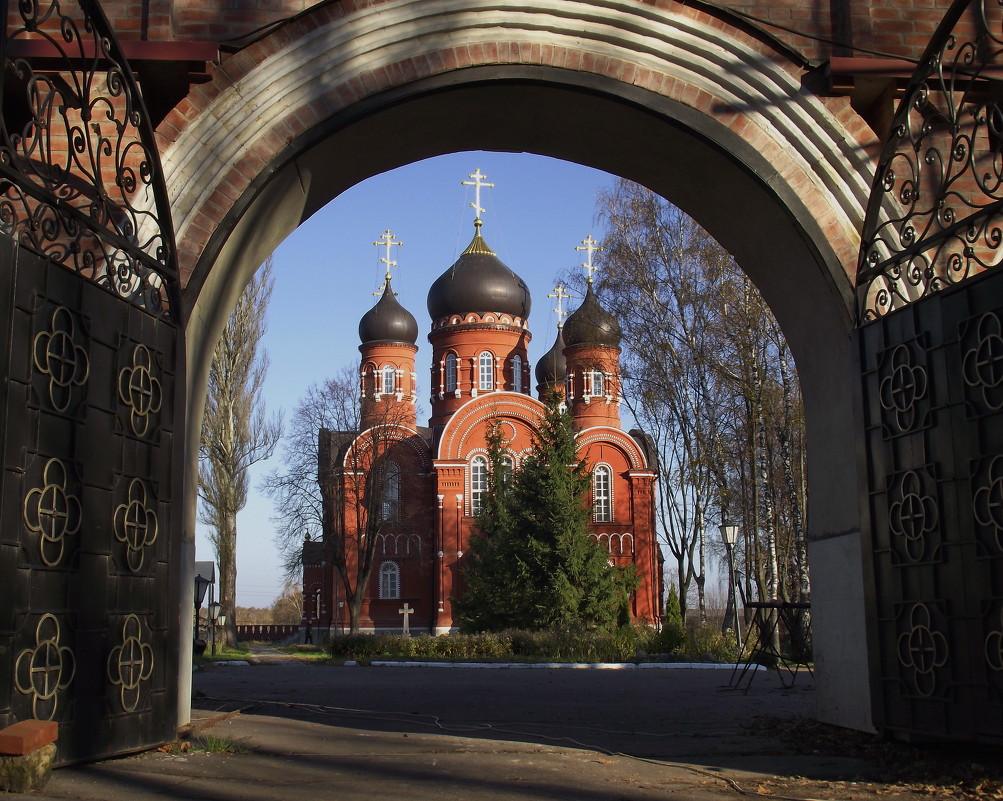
(90, 421)
(930, 343)
(933, 406)
(88, 598)
(933, 416)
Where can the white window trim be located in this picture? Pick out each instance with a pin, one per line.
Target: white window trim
(476, 494)
(517, 373)
(388, 569)
(391, 371)
(597, 515)
(485, 368)
(448, 386)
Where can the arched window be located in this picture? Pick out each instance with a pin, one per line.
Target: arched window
(390, 501)
(390, 580)
(389, 380)
(486, 372)
(602, 494)
(450, 372)
(478, 483)
(517, 373)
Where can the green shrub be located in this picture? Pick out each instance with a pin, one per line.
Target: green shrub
(622, 644)
(671, 639)
(673, 611)
(707, 641)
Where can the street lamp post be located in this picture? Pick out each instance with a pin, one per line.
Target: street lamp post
(729, 533)
(201, 585)
(214, 615)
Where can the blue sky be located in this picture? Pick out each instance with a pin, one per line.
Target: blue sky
(326, 271)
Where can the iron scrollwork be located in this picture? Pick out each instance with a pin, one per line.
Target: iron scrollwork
(935, 215)
(80, 176)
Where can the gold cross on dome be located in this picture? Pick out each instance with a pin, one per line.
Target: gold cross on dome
(561, 293)
(477, 183)
(590, 246)
(386, 240)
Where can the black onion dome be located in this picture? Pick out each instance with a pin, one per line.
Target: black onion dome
(552, 368)
(388, 321)
(591, 324)
(479, 282)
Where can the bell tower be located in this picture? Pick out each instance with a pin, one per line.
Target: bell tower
(388, 333)
(592, 352)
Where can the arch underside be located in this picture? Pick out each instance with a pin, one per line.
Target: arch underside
(710, 119)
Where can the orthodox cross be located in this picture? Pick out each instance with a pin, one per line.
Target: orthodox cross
(561, 293)
(590, 246)
(477, 183)
(407, 611)
(386, 240)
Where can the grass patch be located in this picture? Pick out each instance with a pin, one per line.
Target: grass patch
(223, 654)
(220, 745)
(311, 653)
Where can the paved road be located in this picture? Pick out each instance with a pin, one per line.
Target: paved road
(361, 733)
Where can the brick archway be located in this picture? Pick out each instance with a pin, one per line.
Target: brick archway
(692, 105)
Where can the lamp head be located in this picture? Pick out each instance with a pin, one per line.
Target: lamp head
(729, 533)
(201, 585)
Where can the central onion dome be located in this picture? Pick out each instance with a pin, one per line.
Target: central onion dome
(479, 282)
(591, 324)
(388, 321)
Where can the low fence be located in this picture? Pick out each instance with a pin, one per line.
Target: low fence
(267, 632)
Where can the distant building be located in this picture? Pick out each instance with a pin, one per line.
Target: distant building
(431, 479)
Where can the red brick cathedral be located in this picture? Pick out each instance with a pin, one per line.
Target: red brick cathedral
(426, 483)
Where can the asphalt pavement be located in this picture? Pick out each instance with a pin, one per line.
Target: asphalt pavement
(282, 729)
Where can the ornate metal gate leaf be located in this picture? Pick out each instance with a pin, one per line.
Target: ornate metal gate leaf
(935, 215)
(90, 416)
(97, 206)
(933, 414)
(932, 392)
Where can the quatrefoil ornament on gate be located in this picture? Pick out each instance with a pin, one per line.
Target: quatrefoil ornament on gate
(136, 525)
(44, 670)
(130, 663)
(987, 503)
(52, 512)
(140, 390)
(923, 649)
(57, 355)
(913, 516)
(902, 388)
(982, 365)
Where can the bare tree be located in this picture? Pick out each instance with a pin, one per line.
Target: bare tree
(335, 483)
(294, 488)
(360, 479)
(236, 433)
(708, 375)
(287, 609)
(659, 278)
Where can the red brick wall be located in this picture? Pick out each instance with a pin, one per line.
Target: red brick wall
(899, 28)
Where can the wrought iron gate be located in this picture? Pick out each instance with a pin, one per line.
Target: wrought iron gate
(931, 351)
(91, 418)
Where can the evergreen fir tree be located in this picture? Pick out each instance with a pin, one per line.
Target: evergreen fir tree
(534, 565)
(491, 565)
